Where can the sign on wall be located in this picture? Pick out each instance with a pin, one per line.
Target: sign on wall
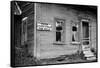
(44, 27)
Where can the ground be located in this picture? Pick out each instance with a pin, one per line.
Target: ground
(24, 59)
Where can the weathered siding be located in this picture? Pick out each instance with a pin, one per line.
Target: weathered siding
(45, 39)
(17, 30)
(46, 13)
(94, 33)
(28, 13)
(30, 33)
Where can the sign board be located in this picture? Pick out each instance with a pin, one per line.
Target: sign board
(44, 27)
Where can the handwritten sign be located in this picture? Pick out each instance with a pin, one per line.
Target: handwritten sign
(44, 27)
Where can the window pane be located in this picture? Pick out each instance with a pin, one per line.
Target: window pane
(58, 36)
(85, 29)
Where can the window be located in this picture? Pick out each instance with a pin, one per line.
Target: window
(24, 31)
(59, 30)
(85, 29)
(74, 29)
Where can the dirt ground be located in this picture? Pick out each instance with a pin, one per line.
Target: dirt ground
(24, 59)
(74, 58)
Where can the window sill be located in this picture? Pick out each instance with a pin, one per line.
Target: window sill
(75, 43)
(59, 43)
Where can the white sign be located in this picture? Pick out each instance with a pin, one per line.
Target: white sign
(44, 27)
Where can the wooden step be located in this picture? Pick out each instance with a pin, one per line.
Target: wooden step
(85, 48)
(91, 58)
(89, 51)
(88, 55)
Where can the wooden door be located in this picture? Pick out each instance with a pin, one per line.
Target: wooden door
(85, 34)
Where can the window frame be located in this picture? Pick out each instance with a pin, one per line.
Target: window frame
(62, 32)
(24, 31)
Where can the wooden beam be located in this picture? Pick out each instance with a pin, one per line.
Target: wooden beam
(35, 46)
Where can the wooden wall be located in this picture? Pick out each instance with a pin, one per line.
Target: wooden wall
(46, 13)
(28, 12)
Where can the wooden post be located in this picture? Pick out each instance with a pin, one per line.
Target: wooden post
(35, 47)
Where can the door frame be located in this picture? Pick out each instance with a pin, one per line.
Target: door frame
(82, 40)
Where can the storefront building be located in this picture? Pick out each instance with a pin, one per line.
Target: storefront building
(51, 30)
(61, 30)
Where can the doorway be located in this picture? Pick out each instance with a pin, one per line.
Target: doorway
(85, 33)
